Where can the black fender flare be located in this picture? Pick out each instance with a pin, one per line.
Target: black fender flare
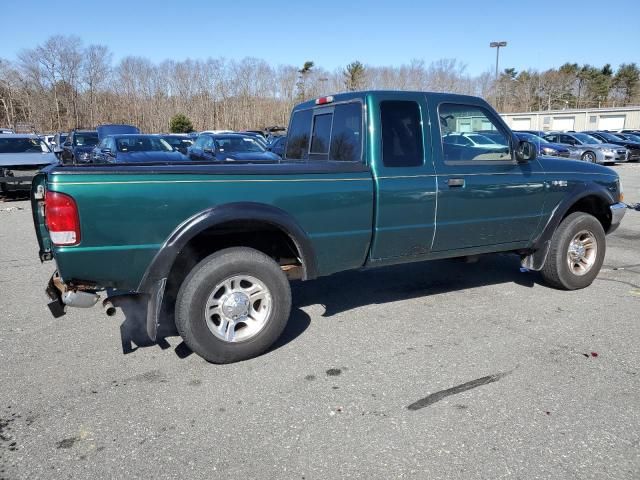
(161, 264)
(155, 277)
(535, 260)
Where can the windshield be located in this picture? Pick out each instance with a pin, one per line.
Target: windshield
(178, 141)
(23, 145)
(85, 139)
(140, 143)
(238, 144)
(584, 138)
(633, 138)
(609, 137)
(481, 140)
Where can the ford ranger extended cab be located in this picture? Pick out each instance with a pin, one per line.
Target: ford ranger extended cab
(368, 179)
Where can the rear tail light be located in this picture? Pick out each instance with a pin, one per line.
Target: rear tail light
(63, 221)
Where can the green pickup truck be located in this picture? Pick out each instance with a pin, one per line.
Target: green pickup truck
(368, 179)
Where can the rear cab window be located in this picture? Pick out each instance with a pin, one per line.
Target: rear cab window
(326, 133)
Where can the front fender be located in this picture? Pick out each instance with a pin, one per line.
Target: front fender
(540, 247)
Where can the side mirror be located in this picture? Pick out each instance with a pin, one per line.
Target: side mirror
(526, 151)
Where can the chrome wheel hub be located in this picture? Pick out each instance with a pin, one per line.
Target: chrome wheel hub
(582, 253)
(238, 308)
(235, 305)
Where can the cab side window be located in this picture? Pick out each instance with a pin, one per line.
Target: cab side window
(470, 134)
(401, 134)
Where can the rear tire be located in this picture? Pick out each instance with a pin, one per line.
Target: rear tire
(233, 305)
(576, 253)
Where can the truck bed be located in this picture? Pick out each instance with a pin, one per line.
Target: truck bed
(127, 212)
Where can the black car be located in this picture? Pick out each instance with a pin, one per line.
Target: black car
(633, 148)
(230, 147)
(181, 143)
(78, 146)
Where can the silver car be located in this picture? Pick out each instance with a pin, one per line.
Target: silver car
(21, 156)
(592, 149)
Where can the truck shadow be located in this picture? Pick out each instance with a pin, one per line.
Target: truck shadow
(133, 333)
(346, 291)
(349, 290)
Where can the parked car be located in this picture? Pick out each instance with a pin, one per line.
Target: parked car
(57, 142)
(135, 148)
(180, 143)
(48, 139)
(545, 147)
(633, 148)
(6, 131)
(77, 147)
(594, 151)
(230, 147)
(278, 146)
(457, 144)
(21, 156)
(217, 244)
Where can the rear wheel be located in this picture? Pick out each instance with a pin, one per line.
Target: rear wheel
(589, 157)
(233, 305)
(576, 253)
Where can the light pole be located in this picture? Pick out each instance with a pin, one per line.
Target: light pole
(497, 46)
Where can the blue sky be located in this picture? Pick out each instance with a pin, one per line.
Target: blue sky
(333, 33)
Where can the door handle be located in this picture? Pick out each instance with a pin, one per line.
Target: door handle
(456, 182)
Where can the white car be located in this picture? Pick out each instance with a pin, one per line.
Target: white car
(21, 156)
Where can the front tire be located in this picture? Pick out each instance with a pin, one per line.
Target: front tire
(233, 305)
(589, 157)
(576, 252)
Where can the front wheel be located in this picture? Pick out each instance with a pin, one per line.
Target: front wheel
(576, 252)
(589, 157)
(233, 305)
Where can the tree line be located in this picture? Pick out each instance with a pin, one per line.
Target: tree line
(63, 84)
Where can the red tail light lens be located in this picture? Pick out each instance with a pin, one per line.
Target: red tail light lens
(62, 219)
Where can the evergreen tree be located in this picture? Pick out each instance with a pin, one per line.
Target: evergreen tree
(180, 124)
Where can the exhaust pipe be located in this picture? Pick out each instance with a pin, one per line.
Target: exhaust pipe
(80, 299)
(109, 308)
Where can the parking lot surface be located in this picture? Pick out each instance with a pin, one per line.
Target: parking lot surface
(433, 370)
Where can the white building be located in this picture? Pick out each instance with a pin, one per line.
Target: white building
(576, 119)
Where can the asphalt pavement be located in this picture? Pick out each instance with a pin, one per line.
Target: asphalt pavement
(437, 370)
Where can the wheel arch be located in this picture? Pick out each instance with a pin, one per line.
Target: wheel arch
(231, 214)
(589, 198)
